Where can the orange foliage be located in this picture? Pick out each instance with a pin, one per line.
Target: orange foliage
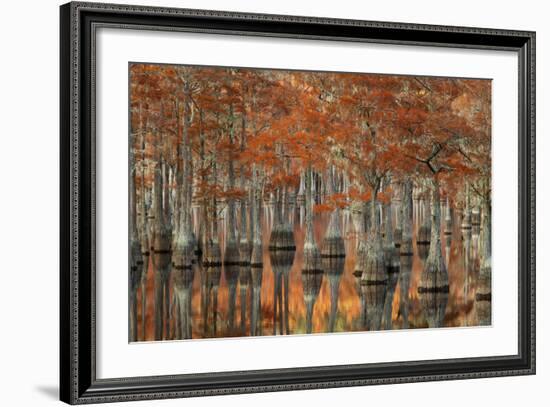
(372, 127)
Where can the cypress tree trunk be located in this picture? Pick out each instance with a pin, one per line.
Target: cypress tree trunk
(424, 231)
(358, 218)
(231, 250)
(212, 251)
(467, 215)
(448, 218)
(374, 279)
(184, 243)
(466, 230)
(166, 195)
(374, 271)
(333, 245)
(398, 231)
(311, 252)
(257, 251)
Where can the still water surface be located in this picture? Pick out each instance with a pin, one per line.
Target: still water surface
(211, 311)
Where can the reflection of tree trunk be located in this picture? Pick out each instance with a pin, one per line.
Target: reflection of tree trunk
(183, 284)
(214, 310)
(448, 232)
(136, 259)
(362, 323)
(311, 270)
(133, 332)
(213, 275)
(485, 255)
(161, 259)
(276, 301)
(311, 281)
(334, 269)
(232, 277)
(406, 252)
(282, 248)
(256, 306)
(433, 289)
(231, 254)
(391, 258)
(333, 253)
(483, 292)
(244, 280)
(203, 290)
(388, 301)
(286, 294)
(144, 296)
(466, 230)
(374, 277)
(374, 294)
(281, 262)
(143, 230)
(184, 242)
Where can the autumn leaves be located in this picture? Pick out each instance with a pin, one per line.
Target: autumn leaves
(213, 147)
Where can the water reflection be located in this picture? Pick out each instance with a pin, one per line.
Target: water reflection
(310, 281)
(334, 268)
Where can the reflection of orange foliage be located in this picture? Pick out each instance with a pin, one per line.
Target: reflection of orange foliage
(348, 301)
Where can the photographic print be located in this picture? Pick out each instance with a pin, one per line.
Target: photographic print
(269, 202)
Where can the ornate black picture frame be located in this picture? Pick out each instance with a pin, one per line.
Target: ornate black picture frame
(78, 382)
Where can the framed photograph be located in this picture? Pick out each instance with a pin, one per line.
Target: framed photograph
(255, 203)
